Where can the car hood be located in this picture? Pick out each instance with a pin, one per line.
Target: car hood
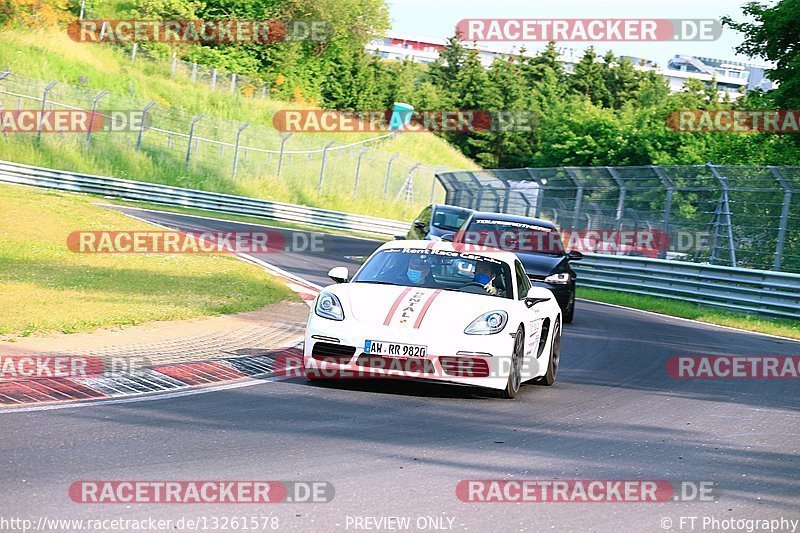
(541, 264)
(414, 307)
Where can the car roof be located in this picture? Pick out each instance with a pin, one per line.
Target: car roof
(452, 208)
(501, 255)
(503, 217)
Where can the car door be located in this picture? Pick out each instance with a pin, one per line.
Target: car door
(533, 323)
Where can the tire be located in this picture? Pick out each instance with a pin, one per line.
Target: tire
(569, 313)
(555, 358)
(515, 374)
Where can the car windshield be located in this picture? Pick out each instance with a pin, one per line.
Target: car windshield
(437, 269)
(449, 219)
(517, 237)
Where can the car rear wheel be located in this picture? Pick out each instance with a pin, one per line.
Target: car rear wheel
(555, 358)
(515, 373)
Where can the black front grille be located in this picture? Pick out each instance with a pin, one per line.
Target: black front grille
(333, 353)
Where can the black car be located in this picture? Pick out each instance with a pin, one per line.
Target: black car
(437, 220)
(538, 245)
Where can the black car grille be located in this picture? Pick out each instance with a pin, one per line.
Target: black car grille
(332, 353)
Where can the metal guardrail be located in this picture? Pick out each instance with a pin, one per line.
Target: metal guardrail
(762, 292)
(212, 201)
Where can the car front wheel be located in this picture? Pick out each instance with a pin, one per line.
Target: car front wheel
(515, 373)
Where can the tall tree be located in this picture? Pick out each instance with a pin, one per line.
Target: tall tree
(773, 35)
(621, 80)
(589, 78)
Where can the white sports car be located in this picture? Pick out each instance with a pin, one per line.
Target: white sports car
(433, 310)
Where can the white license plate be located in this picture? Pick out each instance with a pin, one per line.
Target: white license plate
(394, 349)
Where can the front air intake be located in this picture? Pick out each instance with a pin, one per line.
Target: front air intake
(332, 353)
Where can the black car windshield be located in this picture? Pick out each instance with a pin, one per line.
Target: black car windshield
(437, 269)
(449, 219)
(517, 237)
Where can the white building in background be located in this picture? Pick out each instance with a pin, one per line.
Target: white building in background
(401, 46)
(733, 77)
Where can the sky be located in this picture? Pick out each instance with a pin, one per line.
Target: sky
(438, 18)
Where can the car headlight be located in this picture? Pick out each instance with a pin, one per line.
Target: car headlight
(328, 306)
(488, 323)
(561, 278)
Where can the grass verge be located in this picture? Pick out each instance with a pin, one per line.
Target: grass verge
(44, 287)
(161, 159)
(240, 218)
(783, 328)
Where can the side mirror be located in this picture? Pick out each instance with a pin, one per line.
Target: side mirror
(575, 255)
(537, 295)
(339, 274)
(448, 237)
(419, 224)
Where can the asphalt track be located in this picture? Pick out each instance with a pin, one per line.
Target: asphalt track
(399, 449)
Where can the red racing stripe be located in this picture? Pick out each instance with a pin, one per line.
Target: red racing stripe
(431, 245)
(425, 308)
(395, 305)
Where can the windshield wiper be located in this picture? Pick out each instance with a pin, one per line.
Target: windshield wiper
(377, 282)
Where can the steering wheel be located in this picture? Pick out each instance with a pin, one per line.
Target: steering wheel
(471, 284)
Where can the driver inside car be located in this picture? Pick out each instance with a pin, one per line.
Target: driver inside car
(418, 272)
(485, 275)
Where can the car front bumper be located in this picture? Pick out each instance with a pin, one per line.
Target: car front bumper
(333, 350)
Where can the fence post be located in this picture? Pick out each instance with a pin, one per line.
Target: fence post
(133, 52)
(2, 76)
(667, 202)
(236, 150)
(213, 79)
(91, 117)
(41, 115)
(141, 125)
(408, 185)
(322, 166)
(388, 173)
(174, 66)
(621, 200)
(787, 202)
(194, 72)
(233, 83)
(364, 150)
(578, 197)
(191, 136)
(723, 181)
(284, 138)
